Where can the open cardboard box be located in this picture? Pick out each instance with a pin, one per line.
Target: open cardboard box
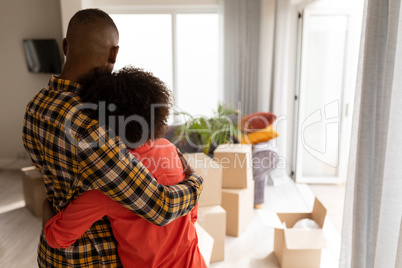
(299, 248)
(211, 172)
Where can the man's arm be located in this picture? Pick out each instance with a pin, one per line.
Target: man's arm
(107, 165)
(69, 224)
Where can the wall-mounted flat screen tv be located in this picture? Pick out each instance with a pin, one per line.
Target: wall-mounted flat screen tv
(42, 56)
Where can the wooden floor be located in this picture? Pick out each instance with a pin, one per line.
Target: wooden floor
(330, 197)
(19, 229)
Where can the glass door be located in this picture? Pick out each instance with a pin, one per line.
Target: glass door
(325, 87)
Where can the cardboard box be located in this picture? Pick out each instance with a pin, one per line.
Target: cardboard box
(34, 190)
(205, 243)
(239, 206)
(213, 220)
(211, 172)
(236, 163)
(297, 247)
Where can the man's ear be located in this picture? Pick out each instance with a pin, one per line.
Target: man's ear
(64, 46)
(113, 54)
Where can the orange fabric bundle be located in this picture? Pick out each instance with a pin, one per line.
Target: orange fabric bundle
(259, 136)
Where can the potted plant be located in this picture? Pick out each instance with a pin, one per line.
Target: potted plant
(209, 132)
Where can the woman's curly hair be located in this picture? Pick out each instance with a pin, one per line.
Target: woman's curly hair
(129, 95)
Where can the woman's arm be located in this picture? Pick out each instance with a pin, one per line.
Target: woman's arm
(68, 225)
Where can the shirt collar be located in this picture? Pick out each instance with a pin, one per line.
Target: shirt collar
(144, 148)
(61, 84)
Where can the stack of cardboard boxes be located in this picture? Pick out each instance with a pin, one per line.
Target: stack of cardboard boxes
(211, 216)
(237, 185)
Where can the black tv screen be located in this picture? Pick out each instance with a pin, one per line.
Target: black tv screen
(42, 56)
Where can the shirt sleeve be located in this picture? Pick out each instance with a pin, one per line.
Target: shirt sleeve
(106, 165)
(69, 224)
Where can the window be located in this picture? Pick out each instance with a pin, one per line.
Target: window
(181, 49)
(146, 42)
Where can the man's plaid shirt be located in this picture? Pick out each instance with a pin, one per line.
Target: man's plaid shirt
(74, 154)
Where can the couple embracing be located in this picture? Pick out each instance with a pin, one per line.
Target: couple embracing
(118, 194)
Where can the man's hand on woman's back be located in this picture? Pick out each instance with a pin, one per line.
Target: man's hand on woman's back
(187, 169)
(48, 212)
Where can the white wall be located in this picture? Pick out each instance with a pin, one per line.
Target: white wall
(21, 19)
(266, 52)
(68, 9)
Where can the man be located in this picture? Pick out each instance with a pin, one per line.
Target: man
(75, 153)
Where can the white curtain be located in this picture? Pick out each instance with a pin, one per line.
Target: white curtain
(280, 78)
(241, 53)
(373, 207)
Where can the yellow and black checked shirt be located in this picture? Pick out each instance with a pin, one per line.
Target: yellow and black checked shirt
(74, 154)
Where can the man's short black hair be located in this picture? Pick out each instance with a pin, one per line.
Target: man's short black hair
(91, 16)
(126, 93)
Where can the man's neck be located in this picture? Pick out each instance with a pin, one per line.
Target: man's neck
(67, 75)
(73, 72)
